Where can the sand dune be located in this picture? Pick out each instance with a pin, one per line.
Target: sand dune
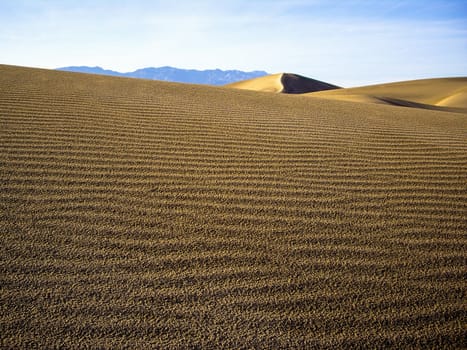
(268, 83)
(143, 214)
(283, 82)
(442, 94)
(458, 99)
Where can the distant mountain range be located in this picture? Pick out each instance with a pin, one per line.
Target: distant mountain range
(193, 76)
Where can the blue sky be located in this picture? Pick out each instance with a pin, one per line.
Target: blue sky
(346, 42)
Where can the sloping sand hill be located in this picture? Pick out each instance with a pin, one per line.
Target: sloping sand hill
(143, 214)
(442, 94)
(283, 82)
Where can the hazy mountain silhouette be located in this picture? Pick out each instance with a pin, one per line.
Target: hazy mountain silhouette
(210, 77)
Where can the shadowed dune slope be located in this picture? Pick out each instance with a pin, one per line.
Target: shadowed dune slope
(143, 214)
(283, 82)
(448, 94)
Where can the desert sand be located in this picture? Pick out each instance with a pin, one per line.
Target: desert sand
(448, 94)
(142, 214)
(444, 94)
(284, 83)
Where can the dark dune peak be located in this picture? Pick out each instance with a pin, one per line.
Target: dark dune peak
(297, 84)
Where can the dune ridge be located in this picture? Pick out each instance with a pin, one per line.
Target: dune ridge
(442, 94)
(446, 94)
(286, 83)
(142, 214)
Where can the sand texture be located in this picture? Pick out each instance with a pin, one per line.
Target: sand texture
(141, 214)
